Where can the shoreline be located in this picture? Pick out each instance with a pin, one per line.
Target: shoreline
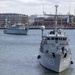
(45, 28)
(52, 28)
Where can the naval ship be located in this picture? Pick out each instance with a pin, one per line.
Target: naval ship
(55, 53)
(18, 29)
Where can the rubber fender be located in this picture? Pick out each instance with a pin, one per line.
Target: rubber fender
(53, 55)
(38, 57)
(71, 62)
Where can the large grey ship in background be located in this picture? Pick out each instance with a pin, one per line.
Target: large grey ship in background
(19, 29)
(55, 53)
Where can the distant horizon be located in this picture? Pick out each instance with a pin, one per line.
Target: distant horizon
(35, 7)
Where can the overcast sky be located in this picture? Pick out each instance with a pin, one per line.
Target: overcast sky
(30, 7)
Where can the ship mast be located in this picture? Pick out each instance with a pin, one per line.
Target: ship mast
(56, 19)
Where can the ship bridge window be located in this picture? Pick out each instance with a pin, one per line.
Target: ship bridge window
(52, 38)
(64, 38)
(56, 38)
(60, 38)
(48, 38)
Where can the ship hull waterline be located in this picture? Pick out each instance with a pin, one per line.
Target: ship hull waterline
(16, 31)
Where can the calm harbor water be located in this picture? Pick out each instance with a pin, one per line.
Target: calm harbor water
(18, 54)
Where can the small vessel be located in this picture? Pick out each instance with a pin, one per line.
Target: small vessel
(55, 53)
(19, 29)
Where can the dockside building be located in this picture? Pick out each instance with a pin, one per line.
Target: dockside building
(48, 20)
(12, 18)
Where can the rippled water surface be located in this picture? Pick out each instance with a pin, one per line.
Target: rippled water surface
(18, 54)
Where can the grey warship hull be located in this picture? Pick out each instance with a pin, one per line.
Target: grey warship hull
(16, 31)
(57, 62)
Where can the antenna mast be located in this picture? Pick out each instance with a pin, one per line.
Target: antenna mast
(56, 18)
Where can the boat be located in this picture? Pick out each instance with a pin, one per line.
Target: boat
(18, 28)
(55, 53)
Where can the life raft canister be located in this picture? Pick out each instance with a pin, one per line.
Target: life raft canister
(67, 42)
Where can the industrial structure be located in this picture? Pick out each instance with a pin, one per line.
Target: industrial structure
(48, 20)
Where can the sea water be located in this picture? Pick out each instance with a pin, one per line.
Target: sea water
(18, 54)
